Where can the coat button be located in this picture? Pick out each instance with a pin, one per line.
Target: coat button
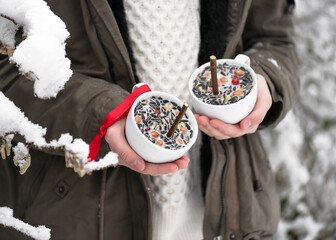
(62, 189)
(233, 236)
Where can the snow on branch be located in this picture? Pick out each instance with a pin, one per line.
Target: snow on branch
(41, 54)
(111, 159)
(13, 121)
(7, 220)
(41, 57)
(7, 37)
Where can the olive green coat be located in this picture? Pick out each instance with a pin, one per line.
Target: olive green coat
(52, 195)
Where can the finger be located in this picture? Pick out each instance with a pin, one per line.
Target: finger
(206, 131)
(203, 120)
(204, 126)
(115, 137)
(127, 157)
(226, 130)
(182, 162)
(257, 115)
(263, 104)
(214, 132)
(218, 129)
(155, 169)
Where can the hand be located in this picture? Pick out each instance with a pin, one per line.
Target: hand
(220, 130)
(115, 137)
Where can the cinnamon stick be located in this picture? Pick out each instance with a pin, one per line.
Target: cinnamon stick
(177, 120)
(213, 68)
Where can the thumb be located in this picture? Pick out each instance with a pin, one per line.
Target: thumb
(115, 137)
(127, 157)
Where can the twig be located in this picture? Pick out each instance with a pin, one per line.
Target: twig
(214, 81)
(177, 120)
(8, 18)
(71, 160)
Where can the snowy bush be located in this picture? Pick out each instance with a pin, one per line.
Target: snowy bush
(302, 148)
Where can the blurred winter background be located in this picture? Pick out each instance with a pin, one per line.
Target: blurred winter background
(302, 148)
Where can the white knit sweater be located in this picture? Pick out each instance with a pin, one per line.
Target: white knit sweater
(165, 38)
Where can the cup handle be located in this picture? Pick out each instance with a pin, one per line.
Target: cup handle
(137, 86)
(243, 59)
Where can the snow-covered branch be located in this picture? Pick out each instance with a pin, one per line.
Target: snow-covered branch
(41, 55)
(44, 36)
(14, 122)
(7, 220)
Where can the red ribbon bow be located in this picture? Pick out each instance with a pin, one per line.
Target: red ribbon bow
(116, 114)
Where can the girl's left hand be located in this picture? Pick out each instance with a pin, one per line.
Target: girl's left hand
(221, 130)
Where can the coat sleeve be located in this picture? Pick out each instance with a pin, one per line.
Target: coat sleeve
(79, 109)
(268, 40)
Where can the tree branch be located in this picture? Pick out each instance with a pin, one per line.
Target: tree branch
(8, 18)
(23, 160)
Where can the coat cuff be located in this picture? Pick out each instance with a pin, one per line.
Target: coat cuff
(272, 117)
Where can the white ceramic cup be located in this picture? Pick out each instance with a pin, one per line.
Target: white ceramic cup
(230, 113)
(143, 146)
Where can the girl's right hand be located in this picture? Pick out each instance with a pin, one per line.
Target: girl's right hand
(115, 137)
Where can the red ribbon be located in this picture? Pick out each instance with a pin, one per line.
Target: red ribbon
(116, 114)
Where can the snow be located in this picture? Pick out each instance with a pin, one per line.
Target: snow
(274, 62)
(12, 119)
(302, 148)
(306, 227)
(64, 140)
(286, 159)
(80, 148)
(7, 220)
(111, 159)
(258, 44)
(42, 56)
(8, 30)
(9, 139)
(42, 53)
(48, 81)
(21, 157)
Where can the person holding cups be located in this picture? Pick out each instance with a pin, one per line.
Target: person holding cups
(227, 191)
